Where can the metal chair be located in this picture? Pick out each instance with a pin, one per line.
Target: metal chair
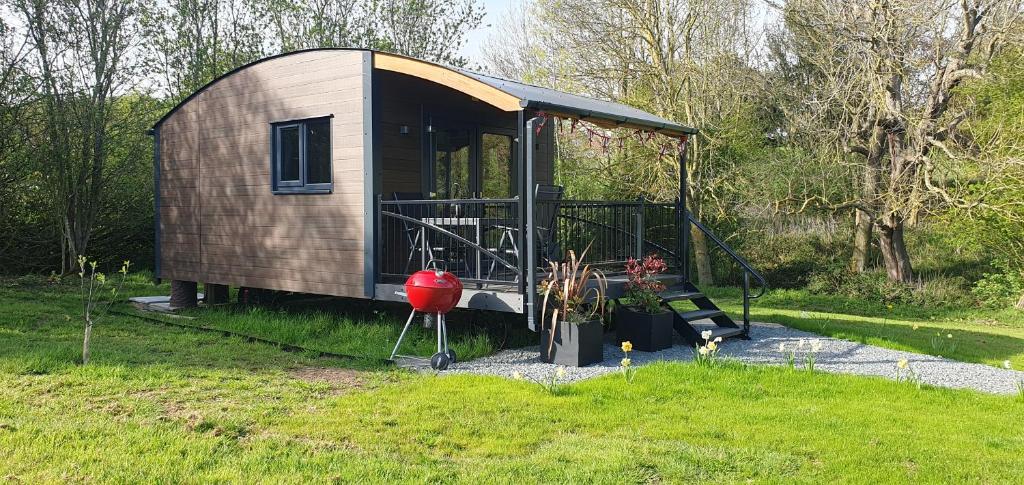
(549, 204)
(413, 234)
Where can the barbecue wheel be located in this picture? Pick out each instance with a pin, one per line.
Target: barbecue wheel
(439, 361)
(451, 356)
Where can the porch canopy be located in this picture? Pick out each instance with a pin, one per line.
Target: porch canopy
(514, 96)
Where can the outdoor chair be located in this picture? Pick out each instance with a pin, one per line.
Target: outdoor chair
(549, 204)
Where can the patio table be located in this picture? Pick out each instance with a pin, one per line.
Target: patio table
(477, 223)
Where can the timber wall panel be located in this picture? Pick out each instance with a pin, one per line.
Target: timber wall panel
(221, 224)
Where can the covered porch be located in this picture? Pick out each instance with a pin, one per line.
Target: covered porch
(464, 179)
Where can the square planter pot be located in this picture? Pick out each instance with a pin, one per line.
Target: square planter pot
(575, 345)
(648, 332)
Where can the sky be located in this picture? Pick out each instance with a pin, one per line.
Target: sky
(493, 11)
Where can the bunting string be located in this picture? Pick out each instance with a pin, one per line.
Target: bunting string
(605, 138)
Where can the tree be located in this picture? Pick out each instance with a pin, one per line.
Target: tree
(893, 68)
(84, 53)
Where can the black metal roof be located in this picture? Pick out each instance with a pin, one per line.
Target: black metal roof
(540, 98)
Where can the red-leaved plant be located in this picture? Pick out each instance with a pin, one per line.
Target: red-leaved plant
(643, 286)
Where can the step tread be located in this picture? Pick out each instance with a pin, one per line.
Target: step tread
(725, 332)
(700, 314)
(676, 295)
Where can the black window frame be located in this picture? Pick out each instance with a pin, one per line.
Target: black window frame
(300, 186)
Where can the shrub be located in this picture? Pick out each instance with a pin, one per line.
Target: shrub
(1000, 288)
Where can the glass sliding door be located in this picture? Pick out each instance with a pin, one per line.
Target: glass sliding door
(452, 163)
(496, 164)
(465, 160)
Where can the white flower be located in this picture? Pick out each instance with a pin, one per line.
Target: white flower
(517, 375)
(718, 340)
(801, 343)
(902, 364)
(705, 334)
(560, 372)
(703, 350)
(816, 345)
(782, 346)
(1006, 364)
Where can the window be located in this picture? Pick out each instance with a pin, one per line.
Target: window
(496, 166)
(302, 156)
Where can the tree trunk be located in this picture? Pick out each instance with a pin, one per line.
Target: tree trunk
(701, 257)
(861, 242)
(894, 251)
(86, 340)
(869, 196)
(1020, 303)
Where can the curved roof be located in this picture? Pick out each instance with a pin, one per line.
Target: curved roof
(501, 93)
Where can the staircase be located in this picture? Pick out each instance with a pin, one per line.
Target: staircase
(725, 326)
(706, 309)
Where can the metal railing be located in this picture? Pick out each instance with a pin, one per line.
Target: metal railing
(748, 271)
(477, 239)
(616, 231)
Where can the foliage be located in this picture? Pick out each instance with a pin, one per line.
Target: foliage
(572, 292)
(552, 384)
(643, 286)
(707, 353)
(1002, 287)
(905, 373)
(92, 282)
(626, 366)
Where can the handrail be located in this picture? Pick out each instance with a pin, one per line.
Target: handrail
(513, 200)
(736, 257)
(748, 271)
(457, 237)
(617, 229)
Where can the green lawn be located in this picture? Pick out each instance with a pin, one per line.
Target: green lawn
(165, 404)
(981, 335)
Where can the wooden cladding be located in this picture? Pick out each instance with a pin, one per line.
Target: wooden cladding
(219, 220)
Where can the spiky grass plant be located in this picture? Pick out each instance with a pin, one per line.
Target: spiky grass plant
(568, 291)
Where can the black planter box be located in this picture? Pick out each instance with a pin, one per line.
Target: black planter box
(648, 332)
(575, 345)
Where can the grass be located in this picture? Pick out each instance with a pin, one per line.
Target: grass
(343, 328)
(165, 404)
(981, 335)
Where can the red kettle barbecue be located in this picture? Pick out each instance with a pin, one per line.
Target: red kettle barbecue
(433, 292)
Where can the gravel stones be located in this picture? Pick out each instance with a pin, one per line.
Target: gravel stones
(835, 355)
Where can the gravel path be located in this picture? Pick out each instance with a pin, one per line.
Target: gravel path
(839, 356)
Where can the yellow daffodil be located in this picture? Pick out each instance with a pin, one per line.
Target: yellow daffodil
(712, 346)
(916, 326)
(560, 372)
(889, 306)
(627, 346)
(1006, 364)
(517, 375)
(625, 362)
(949, 335)
(902, 364)
(703, 350)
